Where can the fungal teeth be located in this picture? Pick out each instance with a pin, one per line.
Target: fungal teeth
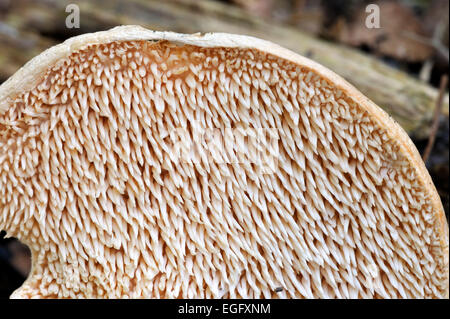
(149, 169)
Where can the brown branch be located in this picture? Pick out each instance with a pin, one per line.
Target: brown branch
(435, 125)
(408, 100)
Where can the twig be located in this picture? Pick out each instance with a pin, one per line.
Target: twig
(437, 112)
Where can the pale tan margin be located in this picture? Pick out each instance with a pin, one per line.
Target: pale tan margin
(32, 73)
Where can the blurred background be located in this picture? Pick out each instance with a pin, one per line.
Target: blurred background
(400, 65)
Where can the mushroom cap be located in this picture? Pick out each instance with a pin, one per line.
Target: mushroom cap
(88, 183)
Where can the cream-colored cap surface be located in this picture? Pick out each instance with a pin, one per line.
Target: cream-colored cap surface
(90, 181)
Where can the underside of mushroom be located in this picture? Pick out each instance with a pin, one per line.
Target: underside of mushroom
(129, 169)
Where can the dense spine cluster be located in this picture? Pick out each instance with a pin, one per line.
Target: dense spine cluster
(88, 181)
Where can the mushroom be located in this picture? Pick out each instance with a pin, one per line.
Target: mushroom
(132, 165)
